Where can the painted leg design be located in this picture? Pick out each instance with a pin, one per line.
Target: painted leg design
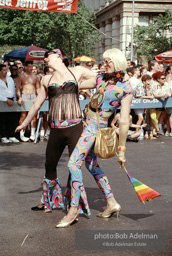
(99, 176)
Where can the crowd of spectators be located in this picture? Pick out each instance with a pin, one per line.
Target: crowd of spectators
(149, 81)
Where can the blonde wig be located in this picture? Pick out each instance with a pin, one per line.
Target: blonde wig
(117, 57)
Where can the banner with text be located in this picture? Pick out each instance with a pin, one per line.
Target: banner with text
(41, 5)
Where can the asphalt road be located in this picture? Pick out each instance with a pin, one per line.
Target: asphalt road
(27, 233)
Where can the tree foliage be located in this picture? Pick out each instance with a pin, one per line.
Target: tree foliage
(155, 38)
(50, 30)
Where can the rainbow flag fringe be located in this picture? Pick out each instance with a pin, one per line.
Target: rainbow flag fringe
(143, 192)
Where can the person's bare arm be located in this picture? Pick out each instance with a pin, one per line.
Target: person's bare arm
(125, 109)
(162, 96)
(34, 109)
(146, 97)
(38, 85)
(18, 86)
(88, 93)
(10, 102)
(115, 119)
(138, 126)
(87, 78)
(124, 127)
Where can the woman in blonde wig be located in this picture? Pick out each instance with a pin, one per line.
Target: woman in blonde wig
(113, 90)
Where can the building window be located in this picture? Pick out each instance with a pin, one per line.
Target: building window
(143, 20)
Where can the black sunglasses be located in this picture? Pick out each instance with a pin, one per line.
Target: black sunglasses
(13, 69)
(48, 53)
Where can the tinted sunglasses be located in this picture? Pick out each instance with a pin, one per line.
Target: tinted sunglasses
(106, 62)
(13, 69)
(48, 53)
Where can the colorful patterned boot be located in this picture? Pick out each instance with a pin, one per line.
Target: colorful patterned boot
(52, 195)
(83, 206)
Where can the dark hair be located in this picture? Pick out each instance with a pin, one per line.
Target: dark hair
(168, 69)
(63, 56)
(77, 64)
(157, 75)
(46, 69)
(131, 70)
(89, 64)
(152, 64)
(99, 66)
(142, 68)
(28, 62)
(13, 65)
(146, 77)
(2, 66)
(133, 63)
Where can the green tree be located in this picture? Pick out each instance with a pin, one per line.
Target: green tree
(50, 30)
(155, 38)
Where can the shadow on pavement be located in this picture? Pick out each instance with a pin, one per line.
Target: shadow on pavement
(22, 160)
(137, 216)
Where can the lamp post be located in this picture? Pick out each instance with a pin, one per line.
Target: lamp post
(132, 28)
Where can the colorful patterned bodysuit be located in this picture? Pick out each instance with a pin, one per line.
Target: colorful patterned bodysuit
(114, 93)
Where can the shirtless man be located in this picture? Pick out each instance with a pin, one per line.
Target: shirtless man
(29, 84)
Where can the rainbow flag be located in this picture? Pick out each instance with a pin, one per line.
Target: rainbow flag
(143, 192)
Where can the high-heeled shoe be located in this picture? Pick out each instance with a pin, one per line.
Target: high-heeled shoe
(108, 214)
(68, 223)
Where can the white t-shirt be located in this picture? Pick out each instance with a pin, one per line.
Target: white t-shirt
(150, 73)
(134, 82)
(7, 91)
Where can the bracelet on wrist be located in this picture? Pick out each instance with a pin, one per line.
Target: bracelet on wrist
(121, 148)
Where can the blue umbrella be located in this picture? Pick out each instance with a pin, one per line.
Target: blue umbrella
(34, 53)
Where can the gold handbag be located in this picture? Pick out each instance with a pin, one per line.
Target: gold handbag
(106, 144)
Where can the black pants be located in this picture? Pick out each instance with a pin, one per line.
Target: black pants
(58, 140)
(8, 123)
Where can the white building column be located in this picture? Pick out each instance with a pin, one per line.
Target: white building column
(108, 32)
(116, 32)
(125, 31)
(101, 41)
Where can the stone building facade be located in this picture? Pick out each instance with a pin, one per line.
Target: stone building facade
(114, 18)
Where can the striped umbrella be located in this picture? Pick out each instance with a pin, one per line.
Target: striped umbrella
(84, 59)
(143, 192)
(165, 57)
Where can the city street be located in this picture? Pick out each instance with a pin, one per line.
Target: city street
(27, 233)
